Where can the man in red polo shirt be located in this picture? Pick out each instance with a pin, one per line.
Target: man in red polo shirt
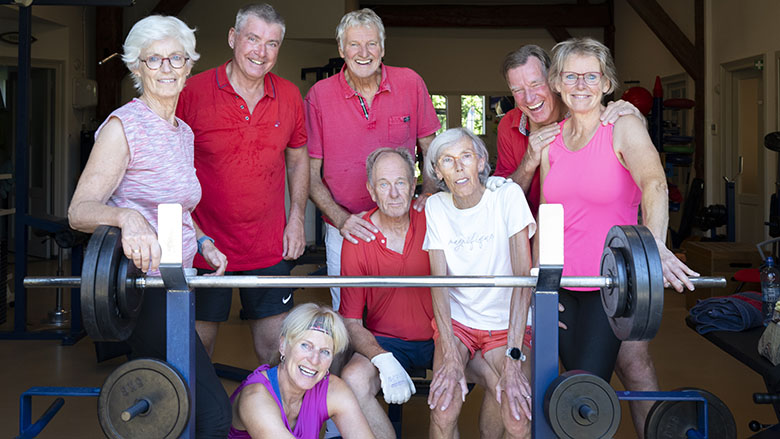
(249, 128)
(397, 335)
(366, 106)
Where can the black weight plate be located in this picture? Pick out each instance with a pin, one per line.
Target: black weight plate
(673, 419)
(632, 324)
(613, 266)
(129, 298)
(568, 393)
(113, 326)
(655, 274)
(87, 292)
(149, 379)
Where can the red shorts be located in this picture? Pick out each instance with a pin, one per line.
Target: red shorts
(480, 339)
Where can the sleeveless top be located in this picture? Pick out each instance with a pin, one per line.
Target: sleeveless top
(161, 169)
(314, 409)
(597, 192)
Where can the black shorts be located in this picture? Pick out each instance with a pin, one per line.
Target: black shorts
(213, 304)
(413, 355)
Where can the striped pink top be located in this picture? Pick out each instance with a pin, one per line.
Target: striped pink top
(161, 169)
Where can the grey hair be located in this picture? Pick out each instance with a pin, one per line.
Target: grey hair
(404, 153)
(263, 11)
(581, 46)
(310, 316)
(519, 57)
(362, 17)
(447, 139)
(155, 28)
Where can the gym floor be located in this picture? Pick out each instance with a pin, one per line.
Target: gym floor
(683, 359)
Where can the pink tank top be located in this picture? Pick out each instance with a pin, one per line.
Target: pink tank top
(161, 169)
(597, 192)
(314, 409)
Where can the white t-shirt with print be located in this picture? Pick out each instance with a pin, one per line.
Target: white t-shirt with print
(475, 242)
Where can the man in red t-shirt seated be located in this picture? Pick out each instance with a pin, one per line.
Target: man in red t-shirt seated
(397, 334)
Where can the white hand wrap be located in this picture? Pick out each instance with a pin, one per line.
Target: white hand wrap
(397, 386)
(494, 182)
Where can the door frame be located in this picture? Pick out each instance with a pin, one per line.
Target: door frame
(59, 160)
(728, 72)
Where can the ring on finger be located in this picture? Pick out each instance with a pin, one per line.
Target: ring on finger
(527, 396)
(540, 138)
(135, 250)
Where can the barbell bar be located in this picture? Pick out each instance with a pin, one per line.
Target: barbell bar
(359, 281)
(631, 284)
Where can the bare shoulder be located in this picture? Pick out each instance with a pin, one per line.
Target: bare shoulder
(628, 124)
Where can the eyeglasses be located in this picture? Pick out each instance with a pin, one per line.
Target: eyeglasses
(448, 161)
(154, 62)
(571, 78)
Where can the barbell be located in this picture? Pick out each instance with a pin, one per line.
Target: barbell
(631, 284)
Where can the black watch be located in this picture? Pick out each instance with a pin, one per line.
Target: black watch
(515, 354)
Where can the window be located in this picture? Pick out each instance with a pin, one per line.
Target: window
(472, 109)
(440, 105)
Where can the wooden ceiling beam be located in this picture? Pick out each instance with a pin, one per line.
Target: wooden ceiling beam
(169, 7)
(670, 35)
(558, 33)
(539, 16)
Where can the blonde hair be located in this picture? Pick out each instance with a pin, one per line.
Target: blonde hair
(581, 46)
(315, 317)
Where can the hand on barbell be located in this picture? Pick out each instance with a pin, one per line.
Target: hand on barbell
(515, 384)
(215, 258)
(675, 272)
(139, 241)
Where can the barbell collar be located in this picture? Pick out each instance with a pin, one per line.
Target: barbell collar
(360, 281)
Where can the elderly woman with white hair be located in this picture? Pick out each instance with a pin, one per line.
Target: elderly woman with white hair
(482, 333)
(142, 157)
(293, 400)
(366, 106)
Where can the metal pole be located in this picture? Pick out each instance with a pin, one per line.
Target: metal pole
(360, 281)
(21, 171)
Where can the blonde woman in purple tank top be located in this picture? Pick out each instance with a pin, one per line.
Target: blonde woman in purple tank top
(293, 400)
(142, 157)
(601, 174)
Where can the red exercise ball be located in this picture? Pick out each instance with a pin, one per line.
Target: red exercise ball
(640, 97)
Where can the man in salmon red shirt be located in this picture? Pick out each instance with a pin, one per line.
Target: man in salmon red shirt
(249, 128)
(397, 334)
(367, 105)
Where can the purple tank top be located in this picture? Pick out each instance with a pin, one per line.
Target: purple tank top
(597, 192)
(314, 409)
(161, 169)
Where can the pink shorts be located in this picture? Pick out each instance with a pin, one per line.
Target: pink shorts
(480, 339)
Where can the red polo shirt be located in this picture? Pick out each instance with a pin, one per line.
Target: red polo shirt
(404, 313)
(512, 144)
(239, 158)
(342, 132)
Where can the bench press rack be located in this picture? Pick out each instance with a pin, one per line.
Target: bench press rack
(630, 282)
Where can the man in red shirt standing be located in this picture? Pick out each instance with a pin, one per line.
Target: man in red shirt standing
(249, 128)
(397, 335)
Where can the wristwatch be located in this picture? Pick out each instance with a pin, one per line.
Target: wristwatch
(515, 354)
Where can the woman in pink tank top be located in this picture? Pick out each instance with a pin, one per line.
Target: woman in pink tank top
(294, 399)
(601, 174)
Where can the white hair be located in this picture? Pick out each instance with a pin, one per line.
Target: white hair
(155, 28)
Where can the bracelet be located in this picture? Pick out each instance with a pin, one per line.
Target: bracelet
(201, 240)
